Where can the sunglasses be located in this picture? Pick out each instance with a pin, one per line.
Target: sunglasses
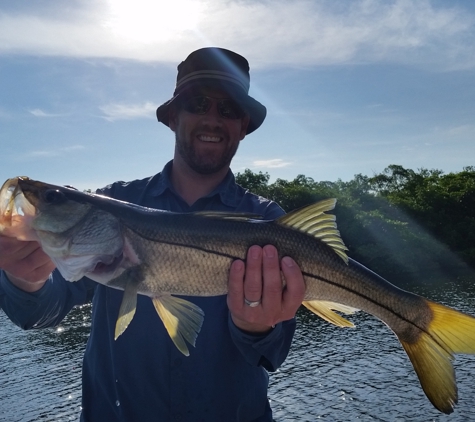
(201, 104)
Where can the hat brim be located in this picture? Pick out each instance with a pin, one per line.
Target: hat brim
(257, 112)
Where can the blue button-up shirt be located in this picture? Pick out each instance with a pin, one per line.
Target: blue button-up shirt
(142, 376)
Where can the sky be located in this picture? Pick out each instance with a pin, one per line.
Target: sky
(350, 86)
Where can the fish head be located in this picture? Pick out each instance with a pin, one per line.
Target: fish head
(79, 237)
(54, 211)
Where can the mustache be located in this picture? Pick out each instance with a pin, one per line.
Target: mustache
(216, 130)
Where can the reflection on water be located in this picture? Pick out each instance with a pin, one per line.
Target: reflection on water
(40, 370)
(331, 374)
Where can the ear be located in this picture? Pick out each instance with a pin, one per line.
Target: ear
(244, 124)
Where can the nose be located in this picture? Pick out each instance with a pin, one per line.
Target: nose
(212, 116)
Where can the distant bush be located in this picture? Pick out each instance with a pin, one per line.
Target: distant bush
(397, 222)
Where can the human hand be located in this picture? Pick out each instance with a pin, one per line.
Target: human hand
(25, 263)
(260, 281)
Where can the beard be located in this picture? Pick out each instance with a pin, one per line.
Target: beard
(201, 162)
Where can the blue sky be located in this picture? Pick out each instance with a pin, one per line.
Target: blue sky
(350, 86)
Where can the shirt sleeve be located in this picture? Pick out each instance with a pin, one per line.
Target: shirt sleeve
(48, 306)
(269, 350)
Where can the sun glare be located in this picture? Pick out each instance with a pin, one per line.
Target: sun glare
(148, 20)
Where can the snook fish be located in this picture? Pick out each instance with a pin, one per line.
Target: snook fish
(161, 254)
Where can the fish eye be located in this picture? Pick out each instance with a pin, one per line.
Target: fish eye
(52, 196)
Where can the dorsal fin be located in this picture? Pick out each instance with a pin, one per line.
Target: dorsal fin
(313, 221)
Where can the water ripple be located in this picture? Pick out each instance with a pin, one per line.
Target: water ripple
(40, 379)
(331, 374)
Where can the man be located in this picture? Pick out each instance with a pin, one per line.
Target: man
(142, 376)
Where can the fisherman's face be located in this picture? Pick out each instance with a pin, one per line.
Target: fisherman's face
(207, 142)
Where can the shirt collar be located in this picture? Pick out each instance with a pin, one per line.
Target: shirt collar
(227, 190)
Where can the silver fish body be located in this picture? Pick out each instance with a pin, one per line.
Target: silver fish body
(161, 254)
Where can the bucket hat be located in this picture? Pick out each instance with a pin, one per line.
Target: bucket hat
(218, 68)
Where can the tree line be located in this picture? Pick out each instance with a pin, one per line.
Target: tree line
(399, 223)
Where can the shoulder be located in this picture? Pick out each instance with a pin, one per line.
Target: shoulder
(256, 204)
(126, 191)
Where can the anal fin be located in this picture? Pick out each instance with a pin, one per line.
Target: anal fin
(182, 320)
(324, 309)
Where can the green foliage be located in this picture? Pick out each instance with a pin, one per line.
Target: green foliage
(255, 182)
(443, 204)
(398, 222)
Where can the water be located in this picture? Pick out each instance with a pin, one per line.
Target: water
(40, 370)
(331, 374)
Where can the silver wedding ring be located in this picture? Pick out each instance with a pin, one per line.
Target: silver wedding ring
(252, 304)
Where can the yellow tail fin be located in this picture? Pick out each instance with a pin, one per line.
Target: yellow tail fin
(449, 332)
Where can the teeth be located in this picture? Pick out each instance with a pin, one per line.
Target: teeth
(206, 138)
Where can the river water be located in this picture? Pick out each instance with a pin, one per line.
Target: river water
(331, 374)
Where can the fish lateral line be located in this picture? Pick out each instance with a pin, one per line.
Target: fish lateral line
(381, 305)
(188, 246)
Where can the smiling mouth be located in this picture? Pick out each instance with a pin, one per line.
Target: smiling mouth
(209, 138)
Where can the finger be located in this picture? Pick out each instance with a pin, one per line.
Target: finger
(272, 279)
(294, 291)
(9, 246)
(32, 256)
(30, 248)
(15, 250)
(42, 272)
(253, 274)
(236, 286)
(29, 264)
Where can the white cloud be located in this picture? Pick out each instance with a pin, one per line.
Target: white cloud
(40, 113)
(452, 134)
(56, 152)
(467, 131)
(272, 163)
(117, 111)
(297, 33)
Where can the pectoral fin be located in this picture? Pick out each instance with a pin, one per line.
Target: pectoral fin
(325, 310)
(182, 320)
(127, 309)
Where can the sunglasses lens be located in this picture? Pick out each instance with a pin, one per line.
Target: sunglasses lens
(197, 105)
(227, 108)
(230, 109)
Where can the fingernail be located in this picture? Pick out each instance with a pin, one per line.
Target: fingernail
(238, 265)
(269, 252)
(255, 252)
(288, 261)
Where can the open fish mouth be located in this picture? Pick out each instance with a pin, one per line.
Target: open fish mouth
(16, 212)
